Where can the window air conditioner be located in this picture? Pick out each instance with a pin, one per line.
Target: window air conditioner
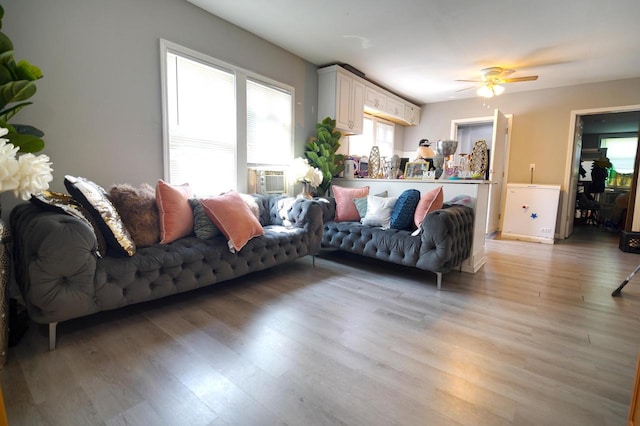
(267, 181)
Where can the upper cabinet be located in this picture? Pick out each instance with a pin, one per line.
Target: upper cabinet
(412, 114)
(341, 96)
(345, 96)
(374, 99)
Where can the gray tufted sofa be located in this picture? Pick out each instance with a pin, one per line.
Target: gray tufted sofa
(61, 277)
(444, 241)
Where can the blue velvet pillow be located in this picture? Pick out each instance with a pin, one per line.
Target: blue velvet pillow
(402, 216)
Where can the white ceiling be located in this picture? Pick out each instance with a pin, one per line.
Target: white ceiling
(417, 48)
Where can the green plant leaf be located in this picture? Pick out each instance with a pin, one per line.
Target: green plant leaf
(26, 143)
(16, 91)
(312, 156)
(10, 112)
(26, 129)
(5, 43)
(26, 71)
(5, 75)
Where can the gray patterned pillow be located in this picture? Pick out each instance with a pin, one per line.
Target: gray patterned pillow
(203, 227)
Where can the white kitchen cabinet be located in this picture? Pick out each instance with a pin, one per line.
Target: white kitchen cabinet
(341, 96)
(395, 107)
(345, 97)
(412, 114)
(374, 99)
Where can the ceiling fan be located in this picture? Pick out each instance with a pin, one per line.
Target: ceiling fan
(493, 78)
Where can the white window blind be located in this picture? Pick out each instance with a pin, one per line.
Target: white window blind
(269, 124)
(202, 125)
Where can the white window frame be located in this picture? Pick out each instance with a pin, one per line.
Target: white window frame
(241, 77)
(375, 120)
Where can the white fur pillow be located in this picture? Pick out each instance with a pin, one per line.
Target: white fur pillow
(379, 211)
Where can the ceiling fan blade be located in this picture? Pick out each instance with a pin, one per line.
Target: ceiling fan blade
(519, 79)
(471, 81)
(466, 88)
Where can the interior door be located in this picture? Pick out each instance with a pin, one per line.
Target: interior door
(496, 169)
(572, 191)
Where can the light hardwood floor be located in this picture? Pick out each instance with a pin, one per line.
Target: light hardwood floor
(534, 338)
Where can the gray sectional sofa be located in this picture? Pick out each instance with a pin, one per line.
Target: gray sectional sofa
(61, 276)
(443, 244)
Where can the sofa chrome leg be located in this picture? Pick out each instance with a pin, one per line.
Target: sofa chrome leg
(439, 279)
(313, 260)
(52, 335)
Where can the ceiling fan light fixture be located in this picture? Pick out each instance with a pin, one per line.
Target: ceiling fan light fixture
(498, 90)
(485, 91)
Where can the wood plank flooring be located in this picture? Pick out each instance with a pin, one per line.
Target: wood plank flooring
(534, 338)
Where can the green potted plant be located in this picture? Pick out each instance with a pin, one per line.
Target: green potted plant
(321, 152)
(16, 86)
(24, 174)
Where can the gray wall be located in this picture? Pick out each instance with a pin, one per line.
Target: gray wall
(99, 101)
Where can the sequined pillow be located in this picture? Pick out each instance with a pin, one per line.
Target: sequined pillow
(64, 203)
(94, 198)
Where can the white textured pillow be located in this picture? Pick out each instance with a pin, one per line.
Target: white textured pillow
(379, 211)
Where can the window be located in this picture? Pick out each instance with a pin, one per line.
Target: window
(375, 132)
(620, 152)
(268, 123)
(205, 143)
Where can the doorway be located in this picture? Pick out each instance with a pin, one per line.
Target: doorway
(495, 131)
(590, 129)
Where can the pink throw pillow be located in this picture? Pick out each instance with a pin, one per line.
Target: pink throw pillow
(174, 211)
(233, 218)
(346, 210)
(430, 201)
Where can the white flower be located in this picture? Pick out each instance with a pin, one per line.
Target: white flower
(301, 171)
(24, 175)
(34, 174)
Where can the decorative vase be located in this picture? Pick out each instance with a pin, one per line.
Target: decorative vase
(374, 163)
(305, 193)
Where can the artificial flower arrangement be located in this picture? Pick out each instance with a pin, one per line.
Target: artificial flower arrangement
(25, 174)
(302, 171)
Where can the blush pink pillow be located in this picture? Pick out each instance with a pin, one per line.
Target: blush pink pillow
(233, 218)
(174, 211)
(345, 207)
(430, 201)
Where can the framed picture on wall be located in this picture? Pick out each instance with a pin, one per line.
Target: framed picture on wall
(415, 170)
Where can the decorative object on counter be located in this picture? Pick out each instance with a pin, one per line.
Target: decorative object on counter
(350, 167)
(479, 159)
(416, 169)
(321, 152)
(447, 149)
(374, 163)
(424, 152)
(363, 167)
(438, 163)
(394, 167)
(309, 176)
(17, 85)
